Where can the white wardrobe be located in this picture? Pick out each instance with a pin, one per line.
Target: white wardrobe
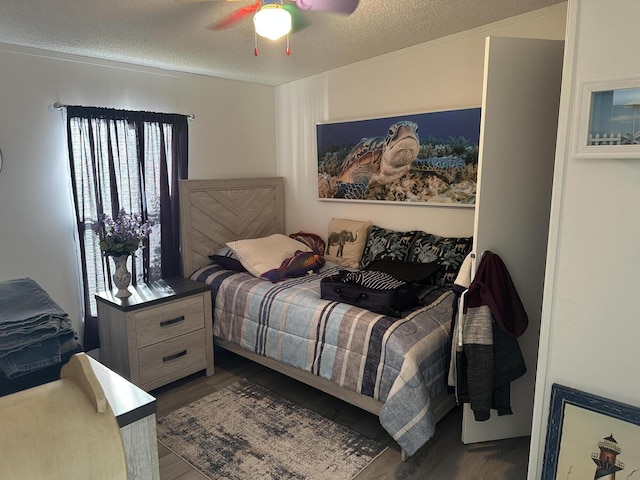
(521, 95)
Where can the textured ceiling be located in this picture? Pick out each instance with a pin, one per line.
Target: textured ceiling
(173, 34)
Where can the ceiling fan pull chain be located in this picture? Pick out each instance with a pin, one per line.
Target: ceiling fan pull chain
(255, 49)
(288, 48)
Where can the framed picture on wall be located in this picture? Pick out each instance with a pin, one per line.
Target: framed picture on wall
(590, 437)
(428, 158)
(610, 120)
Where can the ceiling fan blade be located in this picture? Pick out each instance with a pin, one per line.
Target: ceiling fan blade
(298, 22)
(203, 1)
(346, 7)
(236, 16)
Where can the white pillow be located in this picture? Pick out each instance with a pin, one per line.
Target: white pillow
(259, 255)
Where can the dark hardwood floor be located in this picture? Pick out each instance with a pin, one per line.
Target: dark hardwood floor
(444, 457)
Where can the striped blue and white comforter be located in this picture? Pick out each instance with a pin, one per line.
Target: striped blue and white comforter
(400, 362)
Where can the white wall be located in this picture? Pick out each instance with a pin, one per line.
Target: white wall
(590, 327)
(445, 74)
(232, 135)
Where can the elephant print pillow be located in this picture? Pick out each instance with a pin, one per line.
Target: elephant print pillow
(346, 241)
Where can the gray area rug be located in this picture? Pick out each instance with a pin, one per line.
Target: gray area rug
(247, 432)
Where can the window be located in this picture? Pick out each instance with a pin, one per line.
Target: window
(131, 161)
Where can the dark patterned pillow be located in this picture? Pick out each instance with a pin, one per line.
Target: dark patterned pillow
(225, 257)
(450, 252)
(387, 244)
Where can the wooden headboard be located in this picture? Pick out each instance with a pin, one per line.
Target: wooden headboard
(214, 212)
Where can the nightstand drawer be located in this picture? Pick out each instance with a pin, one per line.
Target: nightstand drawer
(173, 358)
(169, 320)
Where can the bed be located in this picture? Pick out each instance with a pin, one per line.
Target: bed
(392, 367)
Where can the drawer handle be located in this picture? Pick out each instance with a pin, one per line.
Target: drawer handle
(174, 356)
(166, 323)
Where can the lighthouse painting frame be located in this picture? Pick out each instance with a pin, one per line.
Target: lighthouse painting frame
(589, 436)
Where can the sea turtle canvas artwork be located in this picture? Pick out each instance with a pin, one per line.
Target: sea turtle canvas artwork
(429, 157)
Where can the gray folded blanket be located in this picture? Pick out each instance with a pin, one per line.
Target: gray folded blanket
(34, 330)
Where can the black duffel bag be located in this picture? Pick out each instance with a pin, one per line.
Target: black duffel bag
(376, 291)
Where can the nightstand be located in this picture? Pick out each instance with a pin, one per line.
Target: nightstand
(161, 333)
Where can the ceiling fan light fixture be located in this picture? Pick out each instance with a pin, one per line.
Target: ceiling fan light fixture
(272, 20)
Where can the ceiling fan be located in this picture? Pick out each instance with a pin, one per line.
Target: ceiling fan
(273, 19)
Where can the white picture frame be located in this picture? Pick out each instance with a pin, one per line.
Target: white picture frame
(614, 143)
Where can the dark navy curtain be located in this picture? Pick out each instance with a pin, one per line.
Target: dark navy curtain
(125, 160)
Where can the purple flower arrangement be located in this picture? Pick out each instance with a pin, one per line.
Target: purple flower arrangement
(122, 235)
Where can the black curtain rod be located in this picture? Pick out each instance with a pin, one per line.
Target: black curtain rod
(60, 106)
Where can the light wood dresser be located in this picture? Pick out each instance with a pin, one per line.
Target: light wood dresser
(161, 333)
